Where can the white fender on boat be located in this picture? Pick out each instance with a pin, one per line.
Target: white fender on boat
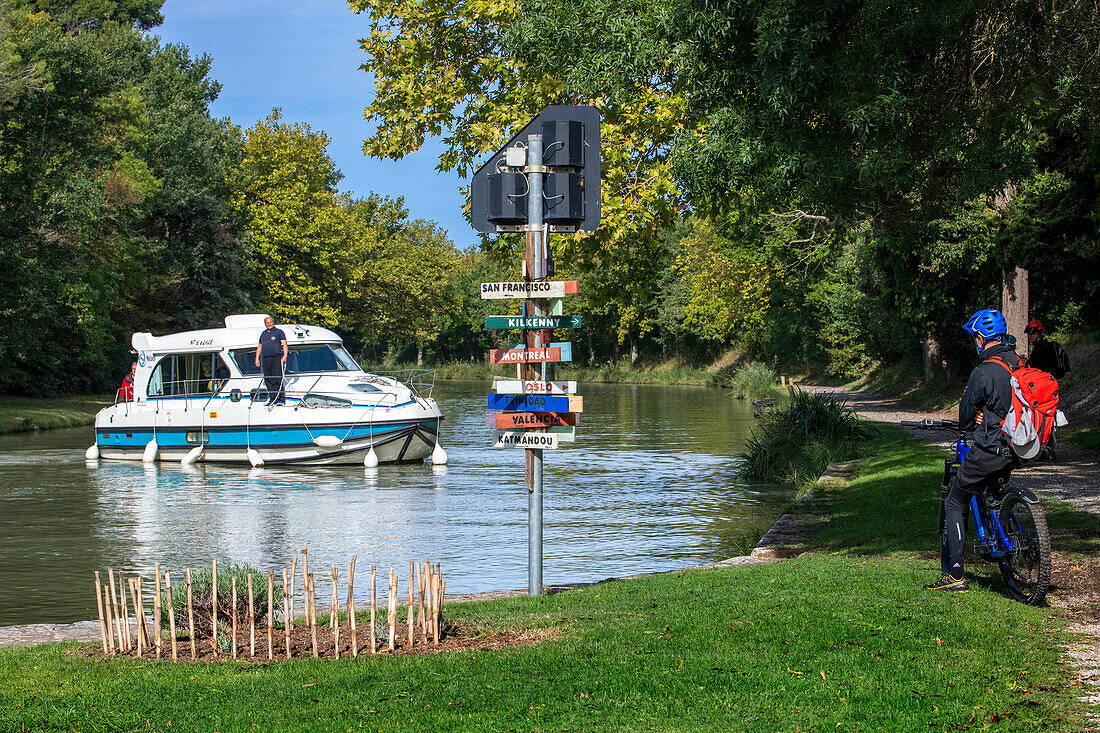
(439, 456)
(92, 453)
(150, 454)
(328, 441)
(371, 459)
(192, 455)
(254, 458)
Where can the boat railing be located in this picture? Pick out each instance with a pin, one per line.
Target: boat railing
(420, 381)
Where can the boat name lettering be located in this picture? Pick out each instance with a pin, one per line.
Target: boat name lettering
(202, 342)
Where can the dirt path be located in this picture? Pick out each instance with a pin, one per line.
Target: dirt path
(1074, 477)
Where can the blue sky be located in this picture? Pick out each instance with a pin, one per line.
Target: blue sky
(303, 56)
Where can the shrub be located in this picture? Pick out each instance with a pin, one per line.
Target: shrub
(793, 445)
(753, 380)
(202, 593)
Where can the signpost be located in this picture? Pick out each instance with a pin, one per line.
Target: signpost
(520, 420)
(503, 386)
(525, 289)
(525, 322)
(547, 179)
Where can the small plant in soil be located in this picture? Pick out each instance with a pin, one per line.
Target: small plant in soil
(202, 594)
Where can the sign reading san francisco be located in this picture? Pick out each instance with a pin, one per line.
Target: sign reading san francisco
(524, 289)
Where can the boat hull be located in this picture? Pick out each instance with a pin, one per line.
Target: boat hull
(279, 435)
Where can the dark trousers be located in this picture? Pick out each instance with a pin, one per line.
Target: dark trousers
(273, 377)
(977, 472)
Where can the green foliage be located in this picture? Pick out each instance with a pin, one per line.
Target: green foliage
(754, 379)
(793, 445)
(202, 595)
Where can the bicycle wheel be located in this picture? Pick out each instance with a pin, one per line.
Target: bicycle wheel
(1026, 570)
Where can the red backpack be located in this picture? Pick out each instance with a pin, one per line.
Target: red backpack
(1034, 415)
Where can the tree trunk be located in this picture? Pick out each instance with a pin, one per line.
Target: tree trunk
(633, 350)
(419, 355)
(1014, 304)
(591, 348)
(930, 350)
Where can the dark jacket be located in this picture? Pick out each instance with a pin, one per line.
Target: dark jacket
(989, 389)
(1045, 355)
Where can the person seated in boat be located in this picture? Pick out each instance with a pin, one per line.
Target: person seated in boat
(273, 350)
(208, 384)
(126, 391)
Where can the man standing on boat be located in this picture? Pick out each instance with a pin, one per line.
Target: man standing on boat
(272, 351)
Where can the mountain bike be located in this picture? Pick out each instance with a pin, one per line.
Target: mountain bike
(1011, 526)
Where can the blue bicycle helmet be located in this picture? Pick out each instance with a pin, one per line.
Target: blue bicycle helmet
(989, 323)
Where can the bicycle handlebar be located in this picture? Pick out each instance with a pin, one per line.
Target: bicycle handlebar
(927, 424)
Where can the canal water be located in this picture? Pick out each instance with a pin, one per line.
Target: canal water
(649, 484)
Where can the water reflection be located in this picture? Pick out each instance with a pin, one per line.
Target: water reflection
(648, 485)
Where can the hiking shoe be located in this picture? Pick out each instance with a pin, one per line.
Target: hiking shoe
(949, 583)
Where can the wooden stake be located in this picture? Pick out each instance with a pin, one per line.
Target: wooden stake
(171, 614)
(114, 609)
(312, 613)
(351, 607)
(251, 620)
(137, 612)
(333, 608)
(290, 601)
(305, 570)
(437, 611)
(392, 616)
(140, 583)
(335, 613)
(410, 608)
(233, 613)
(431, 602)
(156, 609)
(99, 608)
(214, 607)
(373, 604)
(125, 615)
(190, 615)
(286, 614)
(110, 621)
(270, 614)
(420, 609)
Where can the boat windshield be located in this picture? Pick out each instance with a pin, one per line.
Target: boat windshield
(302, 359)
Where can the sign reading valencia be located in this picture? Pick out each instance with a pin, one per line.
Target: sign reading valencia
(524, 289)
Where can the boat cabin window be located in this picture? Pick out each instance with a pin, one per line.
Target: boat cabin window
(302, 359)
(179, 375)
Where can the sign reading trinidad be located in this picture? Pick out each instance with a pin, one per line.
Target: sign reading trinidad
(532, 322)
(524, 289)
(531, 403)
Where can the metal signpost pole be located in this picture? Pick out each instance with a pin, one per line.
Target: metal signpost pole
(536, 270)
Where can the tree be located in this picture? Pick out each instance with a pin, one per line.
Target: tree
(444, 68)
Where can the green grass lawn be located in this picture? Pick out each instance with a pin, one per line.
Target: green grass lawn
(19, 414)
(842, 639)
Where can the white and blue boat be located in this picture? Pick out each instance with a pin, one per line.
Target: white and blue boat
(199, 396)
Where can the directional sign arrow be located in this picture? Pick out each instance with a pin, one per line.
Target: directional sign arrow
(533, 403)
(520, 420)
(526, 440)
(515, 386)
(524, 289)
(532, 322)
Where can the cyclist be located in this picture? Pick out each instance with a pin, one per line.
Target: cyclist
(984, 405)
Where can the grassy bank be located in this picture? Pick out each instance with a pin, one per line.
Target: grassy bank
(844, 639)
(20, 414)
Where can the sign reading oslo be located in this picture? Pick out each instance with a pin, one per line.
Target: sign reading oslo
(532, 322)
